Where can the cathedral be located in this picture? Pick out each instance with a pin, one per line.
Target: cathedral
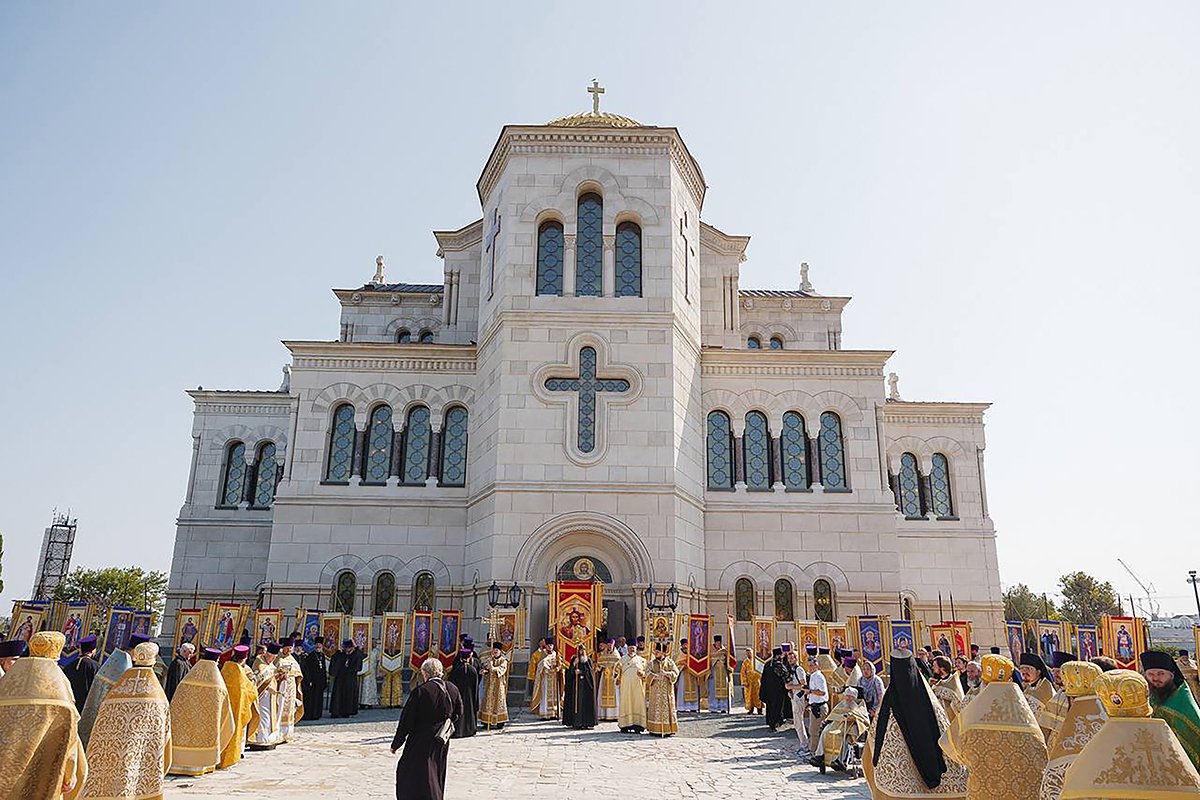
(590, 392)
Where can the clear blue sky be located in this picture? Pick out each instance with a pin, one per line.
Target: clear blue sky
(1010, 193)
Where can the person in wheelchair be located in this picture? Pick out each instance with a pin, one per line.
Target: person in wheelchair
(837, 745)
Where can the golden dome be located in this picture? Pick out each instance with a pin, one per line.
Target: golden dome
(594, 119)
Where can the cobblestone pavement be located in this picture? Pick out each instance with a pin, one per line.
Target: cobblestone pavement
(715, 756)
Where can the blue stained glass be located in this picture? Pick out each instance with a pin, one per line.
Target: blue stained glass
(833, 457)
(753, 343)
(756, 450)
(720, 451)
(265, 474)
(589, 246)
(909, 481)
(794, 446)
(454, 448)
(341, 445)
(776, 343)
(629, 260)
(426, 337)
(587, 385)
(416, 446)
(404, 336)
(379, 446)
(550, 258)
(235, 475)
(939, 484)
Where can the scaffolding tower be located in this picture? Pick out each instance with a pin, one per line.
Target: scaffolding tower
(55, 562)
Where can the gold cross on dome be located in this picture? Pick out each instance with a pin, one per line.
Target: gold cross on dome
(596, 90)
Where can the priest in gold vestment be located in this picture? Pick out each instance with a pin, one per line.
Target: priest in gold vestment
(201, 718)
(947, 686)
(288, 678)
(841, 729)
(661, 717)
(547, 685)
(493, 712)
(1038, 682)
(391, 666)
(243, 701)
(631, 688)
(608, 665)
(40, 753)
(687, 689)
(266, 734)
(997, 739)
(1082, 718)
(1134, 756)
(130, 748)
(751, 683)
(531, 672)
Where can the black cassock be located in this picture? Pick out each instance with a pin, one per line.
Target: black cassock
(579, 695)
(421, 772)
(314, 667)
(773, 693)
(80, 675)
(175, 674)
(465, 678)
(343, 673)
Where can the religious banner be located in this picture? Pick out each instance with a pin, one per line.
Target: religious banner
(308, 622)
(421, 647)
(1123, 639)
(867, 635)
(142, 622)
(360, 633)
(447, 640)
(267, 622)
(808, 632)
(699, 637)
(764, 637)
(732, 650)
(836, 637)
(1050, 637)
(76, 624)
(1087, 643)
(951, 638)
(660, 629)
(1015, 631)
(508, 628)
(26, 621)
(116, 630)
(332, 625)
(225, 622)
(392, 633)
(189, 622)
(901, 634)
(576, 613)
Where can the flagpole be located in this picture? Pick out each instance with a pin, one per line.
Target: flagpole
(941, 612)
(952, 614)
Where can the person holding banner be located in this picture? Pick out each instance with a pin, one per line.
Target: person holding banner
(687, 690)
(719, 684)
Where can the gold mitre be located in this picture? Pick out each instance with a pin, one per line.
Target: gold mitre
(47, 644)
(996, 668)
(145, 654)
(1078, 677)
(1123, 692)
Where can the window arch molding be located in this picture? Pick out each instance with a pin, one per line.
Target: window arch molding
(264, 477)
(404, 336)
(562, 200)
(383, 592)
(744, 599)
(234, 474)
(551, 257)
(824, 595)
(345, 592)
(378, 444)
(785, 599)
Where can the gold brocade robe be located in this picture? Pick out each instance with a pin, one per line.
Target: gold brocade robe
(690, 684)
(494, 710)
(998, 740)
(896, 777)
(547, 688)
(391, 693)
(719, 672)
(1190, 674)
(1042, 691)
(751, 685)
(607, 666)
(1083, 718)
(201, 721)
(965, 700)
(1132, 758)
(1050, 716)
(266, 733)
(661, 717)
(631, 689)
(130, 747)
(291, 701)
(243, 702)
(40, 751)
(534, 659)
(847, 720)
(949, 691)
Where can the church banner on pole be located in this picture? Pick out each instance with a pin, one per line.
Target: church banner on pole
(267, 622)
(764, 637)
(1123, 640)
(332, 627)
(1015, 632)
(867, 634)
(448, 624)
(422, 638)
(699, 638)
(576, 613)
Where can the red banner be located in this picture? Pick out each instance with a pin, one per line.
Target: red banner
(422, 638)
(448, 625)
(732, 647)
(576, 611)
(699, 636)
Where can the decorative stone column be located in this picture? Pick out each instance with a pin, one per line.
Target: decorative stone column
(568, 265)
(608, 274)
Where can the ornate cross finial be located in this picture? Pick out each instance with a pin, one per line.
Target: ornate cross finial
(596, 90)
(893, 386)
(378, 270)
(805, 286)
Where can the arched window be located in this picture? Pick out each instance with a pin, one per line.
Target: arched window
(266, 474)
(341, 445)
(754, 343)
(939, 486)
(776, 343)
(454, 447)
(794, 446)
(550, 258)
(589, 245)
(385, 593)
(403, 336)
(233, 487)
(785, 610)
(833, 456)
(345, 586)
(909, 483)
(756, 452)
(629, 260)
(823, 600)
(423, 591)
(906, 610)
(743, 599)
(426, 337)
(720, 451)
(416, 446)
(378, 461)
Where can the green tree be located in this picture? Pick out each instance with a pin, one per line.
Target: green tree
(1086, 599)
(115, 586)
(1021, 602)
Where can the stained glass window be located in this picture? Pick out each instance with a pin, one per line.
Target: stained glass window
(341, 445)
(385, 593)
(416, 446)
(823, 600)
(939, 485)
(629, 260)
(720, 451)
(235, 475)
(754, 343)
(776, 343)
(265, 473)
(379, 446)
(403, 336)
(756, 450)
(424, 591)
(833, 457)
(426, 337)
(793, 442)
(743, 599)
(589, 245)
(784, 599)
(345, 587)
(550, 258)
(454, 447)
(909, 482)
(588, 385)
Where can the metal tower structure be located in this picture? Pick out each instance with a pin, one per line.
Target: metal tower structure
(55, 562)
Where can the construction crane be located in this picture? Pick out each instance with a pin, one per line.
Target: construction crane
(1151, 604)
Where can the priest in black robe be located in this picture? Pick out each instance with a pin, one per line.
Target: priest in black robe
(178, 668)
(579, 695)
(465, 677)
(343, 675)
(421, 772)
(774, 692)
(315, 669)
(82, 671)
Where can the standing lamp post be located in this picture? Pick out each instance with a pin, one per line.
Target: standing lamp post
(671, 596)
(1193, 580)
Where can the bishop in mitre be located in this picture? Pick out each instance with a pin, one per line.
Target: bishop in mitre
(243, 702)
(608, 667)
(289, 678)
(661, 717)
(547, 684)
(201, 718)
(1082, 718)
(40, 752)
(130, 748)
(631, 686)
(997, 739)
(493, 712)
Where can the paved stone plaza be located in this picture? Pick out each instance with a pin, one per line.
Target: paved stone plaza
(713, 757)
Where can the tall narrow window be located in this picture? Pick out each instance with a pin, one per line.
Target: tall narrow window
(416, 446)
(345, 587)
(385, 593)
(378, 460)
(550, 258)
(424, 591)
(629, 260)
(939, 486)
(589, 245)
(794, 446)
(266, 472)
(784, 601)
(909, 483)
(833, 456)
(756, 450)
(743, 599)
(823, 600)
(454, 447)
(720, 451)
(234, 486)
(341, 445)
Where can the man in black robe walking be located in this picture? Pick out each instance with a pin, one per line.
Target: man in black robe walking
(774, 694)
(315, 668)
(465, 677)
(178, 670)
(82, 671)
(421, 771)
(579, 695)
(343, 674)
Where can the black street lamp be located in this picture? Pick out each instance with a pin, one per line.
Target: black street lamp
(672, 598)
(1193, 580)
(515, 593)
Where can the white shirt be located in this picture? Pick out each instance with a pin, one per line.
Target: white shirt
(816, 682)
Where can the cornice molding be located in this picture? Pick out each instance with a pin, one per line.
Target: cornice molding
(381, 357)
(794, 363)
(723, 243)
(462, 239)
(914, 413)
